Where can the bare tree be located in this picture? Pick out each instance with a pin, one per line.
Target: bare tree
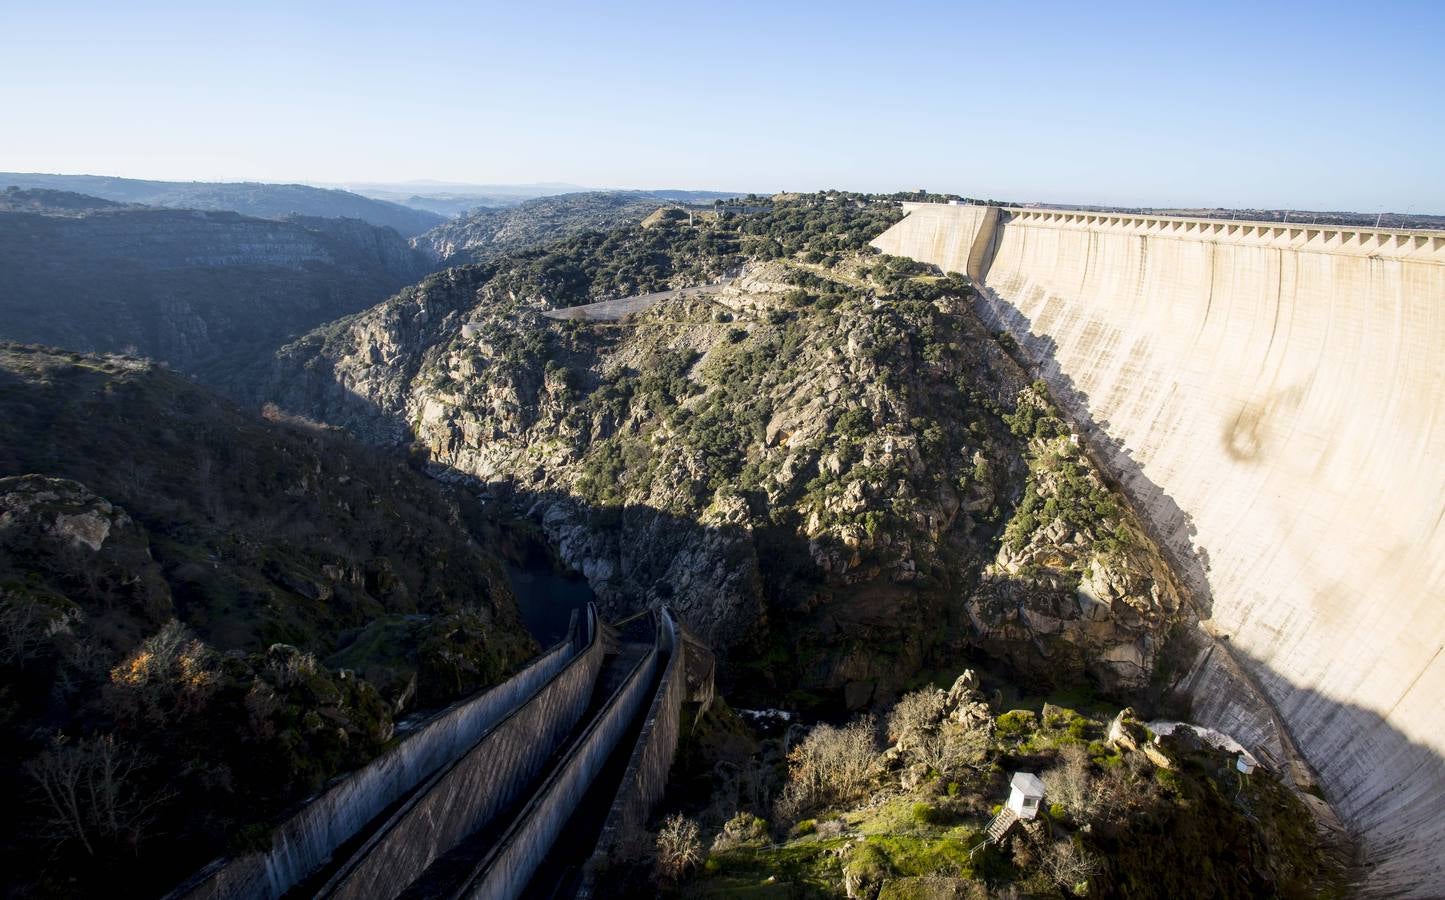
(1070, 784)
(920, 727)
(24, 628)
(92, 790)
(916, 714)
(679, 847)
(1068, 865)
(831, 765)
(172, 672)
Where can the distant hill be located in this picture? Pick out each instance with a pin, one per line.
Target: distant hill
(203, 291)
(42, 200)
(488, 234)
(233, 607)
(267, 201)
(449, 205)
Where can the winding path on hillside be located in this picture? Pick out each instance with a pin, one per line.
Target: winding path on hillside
(614, 310)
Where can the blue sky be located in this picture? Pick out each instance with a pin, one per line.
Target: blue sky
(1311, 105)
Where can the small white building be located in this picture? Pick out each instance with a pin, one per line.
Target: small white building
(1245, 762)
(1026, 792)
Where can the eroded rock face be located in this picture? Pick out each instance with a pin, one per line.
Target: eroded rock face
(1076, 585)
(61, 528)
(62, 510)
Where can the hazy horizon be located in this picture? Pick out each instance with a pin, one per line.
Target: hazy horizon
(1227, 106)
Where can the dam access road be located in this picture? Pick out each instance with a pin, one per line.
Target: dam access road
(1272, 399)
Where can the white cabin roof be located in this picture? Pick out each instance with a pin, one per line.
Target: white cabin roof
(1028, 784)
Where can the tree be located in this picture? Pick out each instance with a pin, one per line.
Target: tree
(679, 847)
(832, 765)
(920, 727)
(92, 790)
(171, 674)
(1069, 866)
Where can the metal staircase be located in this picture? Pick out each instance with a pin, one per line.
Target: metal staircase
(997, 827)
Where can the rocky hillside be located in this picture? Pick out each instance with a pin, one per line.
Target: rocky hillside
(827, 467)
(487, 234)
(213, 611)
(266, 201)
(199, 290)
(896, 805)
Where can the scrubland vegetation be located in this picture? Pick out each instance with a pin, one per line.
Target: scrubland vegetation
(205, 615)
(896, 806)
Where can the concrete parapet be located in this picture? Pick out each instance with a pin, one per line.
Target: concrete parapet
(1271, 397)
(306, 840)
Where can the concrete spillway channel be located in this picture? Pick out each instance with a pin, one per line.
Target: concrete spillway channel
(565, 755)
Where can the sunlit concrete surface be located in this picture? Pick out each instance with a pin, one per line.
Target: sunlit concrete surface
(1273, 399)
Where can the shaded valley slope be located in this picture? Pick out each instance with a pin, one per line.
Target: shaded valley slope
(213, 611)
(203, 291)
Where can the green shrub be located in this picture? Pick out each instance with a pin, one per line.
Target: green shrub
(928, 814)
(1016, 724)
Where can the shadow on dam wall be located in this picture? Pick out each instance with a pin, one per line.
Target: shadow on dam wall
(1402, 857)
(1395, 857)
(1037, 355)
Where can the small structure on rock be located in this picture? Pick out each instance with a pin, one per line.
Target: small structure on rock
(1026, 792)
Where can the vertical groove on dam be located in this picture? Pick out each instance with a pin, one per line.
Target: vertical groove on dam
(1270, 396)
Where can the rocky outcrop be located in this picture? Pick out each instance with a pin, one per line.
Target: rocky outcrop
(805, 465)
(1076, 586)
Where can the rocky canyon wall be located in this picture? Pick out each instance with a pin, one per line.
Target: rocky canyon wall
(1272, 399)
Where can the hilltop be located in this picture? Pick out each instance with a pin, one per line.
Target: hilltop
(806, 464)
(487, 234)
(267, 201)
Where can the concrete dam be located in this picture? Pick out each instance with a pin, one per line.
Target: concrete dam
(1272, 400)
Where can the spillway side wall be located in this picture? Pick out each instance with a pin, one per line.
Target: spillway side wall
(494, 774)
(307, 839)
(645, 780)
(1273, 400)
(506, 871)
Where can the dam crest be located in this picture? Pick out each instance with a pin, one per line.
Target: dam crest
(1271, 398)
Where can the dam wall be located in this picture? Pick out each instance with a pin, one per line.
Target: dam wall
(463, 796)
(307, 839)
(1272, 400)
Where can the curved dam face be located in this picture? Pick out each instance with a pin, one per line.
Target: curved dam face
(1272, 398)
